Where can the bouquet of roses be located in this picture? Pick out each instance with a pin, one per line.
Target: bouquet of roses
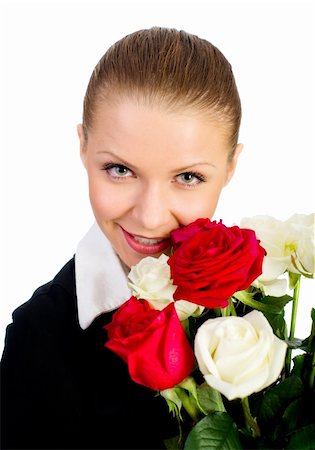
(206, 328)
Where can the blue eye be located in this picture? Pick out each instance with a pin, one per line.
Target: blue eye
(118, 170)
(190, 178)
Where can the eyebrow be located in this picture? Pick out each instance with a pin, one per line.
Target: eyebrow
(180, 169)
(122, 161)
(201, 163)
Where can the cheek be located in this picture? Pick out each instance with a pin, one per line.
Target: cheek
(107, 203)
(202, 205)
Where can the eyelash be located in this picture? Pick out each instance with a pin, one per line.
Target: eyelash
(198, 176)
(109, 166)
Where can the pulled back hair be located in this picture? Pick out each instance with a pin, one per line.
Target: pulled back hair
(174, 68)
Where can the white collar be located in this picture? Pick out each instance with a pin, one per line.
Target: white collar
(101, 281)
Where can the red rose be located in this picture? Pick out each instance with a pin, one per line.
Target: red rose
(211, 262)
(153, 344)
(182, 234)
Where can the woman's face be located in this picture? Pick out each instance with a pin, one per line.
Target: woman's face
(151, 171)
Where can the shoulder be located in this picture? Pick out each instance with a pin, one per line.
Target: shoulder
(52, 305)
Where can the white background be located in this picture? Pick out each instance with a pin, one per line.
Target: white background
(48, 51)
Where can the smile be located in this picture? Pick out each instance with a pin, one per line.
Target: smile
(144, 245)
(147, 241)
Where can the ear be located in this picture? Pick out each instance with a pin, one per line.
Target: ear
(83, 143)
(233, 163)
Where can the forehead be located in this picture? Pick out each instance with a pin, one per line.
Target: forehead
(130, 123)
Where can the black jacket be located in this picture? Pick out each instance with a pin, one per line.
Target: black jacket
(62, 389)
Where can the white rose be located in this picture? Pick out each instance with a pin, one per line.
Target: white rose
(274, 288)
(239, 355)
(301, 242)
(283, 240)
(151, 280)
(272, 234)
(186, 309)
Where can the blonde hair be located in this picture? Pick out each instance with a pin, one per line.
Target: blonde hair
(174, 67)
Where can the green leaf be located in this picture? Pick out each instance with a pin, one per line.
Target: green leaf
(274, 313)
(215, 432)
(210, 399)
(311, 338)
(277, 398)
(304, 369)
(173, 402)
(291, 417)
(247, 298)
(299, 362)
(278, 324)
(267, 304)
(277, 302)
(304, 439)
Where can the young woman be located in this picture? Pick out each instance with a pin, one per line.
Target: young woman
(159, 141)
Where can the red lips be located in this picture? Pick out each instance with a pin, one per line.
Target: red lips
(144, 245)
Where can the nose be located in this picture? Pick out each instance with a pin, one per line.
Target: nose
(153, 211)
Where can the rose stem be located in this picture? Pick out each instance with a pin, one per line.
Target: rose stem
(295, 301)
(251, 424)
(232, 307)
(226, 312)
(188, 404)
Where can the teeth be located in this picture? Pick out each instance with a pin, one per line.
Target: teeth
(147, 241)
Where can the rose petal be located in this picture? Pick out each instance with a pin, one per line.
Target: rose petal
(239, 355)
